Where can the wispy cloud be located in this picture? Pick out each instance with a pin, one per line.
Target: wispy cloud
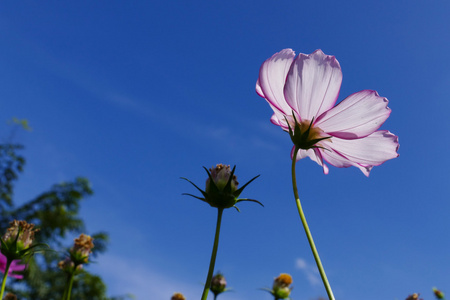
(309, 270)
(126, 275)
(87, 80)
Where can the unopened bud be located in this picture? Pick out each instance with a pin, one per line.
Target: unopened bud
(438, 293)
(23, 232)
(220, 175)
(221, 188)
(218, 284)
(414, 296)
(81, 249)
(178, 296)
(10, 296)
(281, 286)
(67, 265)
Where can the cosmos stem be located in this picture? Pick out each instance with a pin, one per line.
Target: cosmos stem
(8, 263)
(213, 256)
(70, 283)
(308, 232)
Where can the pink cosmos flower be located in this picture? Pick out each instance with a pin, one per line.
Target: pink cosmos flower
(302, 92)
(14, 267)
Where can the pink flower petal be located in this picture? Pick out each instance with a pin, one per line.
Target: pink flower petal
(313, 154)
(272, 78)
(312, 84)
(14, 267)
(358, 115)
(275, 119)
(363, 153)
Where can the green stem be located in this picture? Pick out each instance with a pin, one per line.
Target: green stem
(308, 232)
(64, 297)
(213, 256)
(8, 263)
(69, 287)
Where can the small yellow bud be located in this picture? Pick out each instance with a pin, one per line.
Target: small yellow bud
(68, 265)
(178, 296)
(10, 296)
(438, 293)
(281, 286)
(414, 296)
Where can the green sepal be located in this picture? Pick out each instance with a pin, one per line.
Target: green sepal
(301, 140)
(311, 143)
(225, 290)
(273, 293)
(4, 245)
(13, 254)
(249, 200)
(212, 184)
(25, 252)
(203, 199)
(227, 188)
(267, 290)
(201, 191)
(218, 198)
(78, 259)
(239, 191)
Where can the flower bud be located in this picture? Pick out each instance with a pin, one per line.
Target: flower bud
(281, 286)
(221, 188)
(178, 296)
(10, 296)
(17, 240)
(220, 175)
(25, 234)
(218, 284)
(414, 296)
(81, 249)
(438, 293)
(68, 265)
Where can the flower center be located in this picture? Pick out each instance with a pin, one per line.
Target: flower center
(305, 135)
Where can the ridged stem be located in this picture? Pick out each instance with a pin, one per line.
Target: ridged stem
(307, 231)
(69, 287)
(213, 256)
(8, 264)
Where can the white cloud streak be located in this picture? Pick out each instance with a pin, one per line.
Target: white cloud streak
(309, 270)
(129, 276)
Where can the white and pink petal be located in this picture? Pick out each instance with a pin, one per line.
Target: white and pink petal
(312, 84)
(272, 78)
(313, 154)
(364, 153)
(278, 120)
(357, 116)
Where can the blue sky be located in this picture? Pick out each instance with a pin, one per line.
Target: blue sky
(136, 94)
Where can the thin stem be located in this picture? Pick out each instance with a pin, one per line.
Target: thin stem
(307, 231)
(213, 256)
(64, 297)
(8, 263)
(69, 288)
